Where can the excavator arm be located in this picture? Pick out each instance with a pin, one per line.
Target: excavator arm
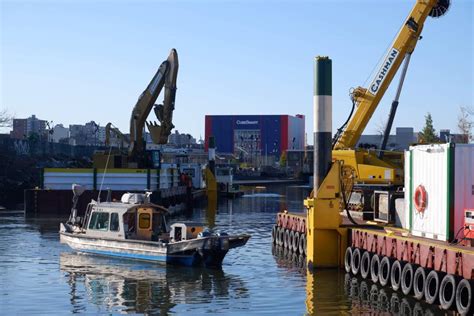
(109, 129)
(165, 78)
(367, 99)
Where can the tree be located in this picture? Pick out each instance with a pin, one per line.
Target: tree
(465, 124)
(428, 133)
(5, 119)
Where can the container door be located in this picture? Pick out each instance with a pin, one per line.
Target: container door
(144, 224)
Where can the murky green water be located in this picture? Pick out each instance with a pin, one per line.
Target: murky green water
(40, 275)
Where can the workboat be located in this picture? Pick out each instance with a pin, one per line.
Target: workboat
(135, 228)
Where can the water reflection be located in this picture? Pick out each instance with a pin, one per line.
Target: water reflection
(126, 287)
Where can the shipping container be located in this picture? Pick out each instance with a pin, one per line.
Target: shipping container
(439, 186)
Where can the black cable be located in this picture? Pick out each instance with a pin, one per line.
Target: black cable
(340, 129)
(456, 236)
(345, 203)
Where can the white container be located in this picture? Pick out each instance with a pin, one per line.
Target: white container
(446, 171)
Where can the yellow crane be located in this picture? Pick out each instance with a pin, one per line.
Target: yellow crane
(381, 170)
(326, 238)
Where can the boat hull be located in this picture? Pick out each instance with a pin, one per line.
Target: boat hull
(208, 251)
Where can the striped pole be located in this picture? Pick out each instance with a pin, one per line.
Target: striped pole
(322, 103)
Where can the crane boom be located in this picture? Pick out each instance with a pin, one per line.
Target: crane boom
(165, 76)
(367, 99)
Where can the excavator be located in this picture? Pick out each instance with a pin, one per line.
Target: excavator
(137, 156)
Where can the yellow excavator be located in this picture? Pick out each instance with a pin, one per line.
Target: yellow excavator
(326, 237)
(137, 156)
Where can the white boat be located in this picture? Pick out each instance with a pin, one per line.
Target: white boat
(137, 229)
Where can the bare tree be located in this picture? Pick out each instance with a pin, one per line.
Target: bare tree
(465, 124)
(380, 127)
(5, 118)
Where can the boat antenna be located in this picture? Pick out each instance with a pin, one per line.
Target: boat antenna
(103, 174)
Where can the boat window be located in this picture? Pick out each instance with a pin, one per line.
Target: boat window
(144, 221)
(99, 221)
(114, 222)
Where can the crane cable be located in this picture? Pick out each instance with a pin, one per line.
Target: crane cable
(341, 129)
(344, 200)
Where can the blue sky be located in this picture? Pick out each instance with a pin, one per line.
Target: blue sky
(76, 61)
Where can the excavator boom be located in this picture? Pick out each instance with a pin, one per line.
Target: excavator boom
(166, 77)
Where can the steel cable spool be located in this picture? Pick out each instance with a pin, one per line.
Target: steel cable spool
(440, 8)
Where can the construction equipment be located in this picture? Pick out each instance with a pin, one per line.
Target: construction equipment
(109, 129)
(382, 170)
(137, 157)
(326, 239)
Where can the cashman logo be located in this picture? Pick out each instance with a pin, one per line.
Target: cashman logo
(246, 122)
(387, 64)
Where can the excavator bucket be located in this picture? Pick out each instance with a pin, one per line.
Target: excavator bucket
(159, 134)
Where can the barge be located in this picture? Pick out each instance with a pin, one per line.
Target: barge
(424, 247)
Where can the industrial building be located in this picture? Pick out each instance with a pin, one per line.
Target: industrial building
(255, 135)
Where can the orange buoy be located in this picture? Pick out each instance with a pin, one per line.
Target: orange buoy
(420, 198)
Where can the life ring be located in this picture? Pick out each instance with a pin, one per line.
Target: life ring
(420, 198)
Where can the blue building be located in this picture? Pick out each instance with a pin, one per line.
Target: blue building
(255, 134)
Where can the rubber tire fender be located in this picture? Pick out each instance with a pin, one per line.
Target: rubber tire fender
(348, 259)
(290, 240)
(447, 291)
(419, 282)
(365, 264)
(384, 273)
(406, 281)
(302, 244)
(375, 268)
(355, 261)
(296, 240)
(433, 281)
(286, 238)
(274, 234)
(396, 274)
(281, 236)
(464, 297)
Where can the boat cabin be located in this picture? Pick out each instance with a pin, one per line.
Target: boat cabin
(119, 220)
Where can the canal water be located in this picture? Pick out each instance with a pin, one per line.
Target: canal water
(38, 275)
